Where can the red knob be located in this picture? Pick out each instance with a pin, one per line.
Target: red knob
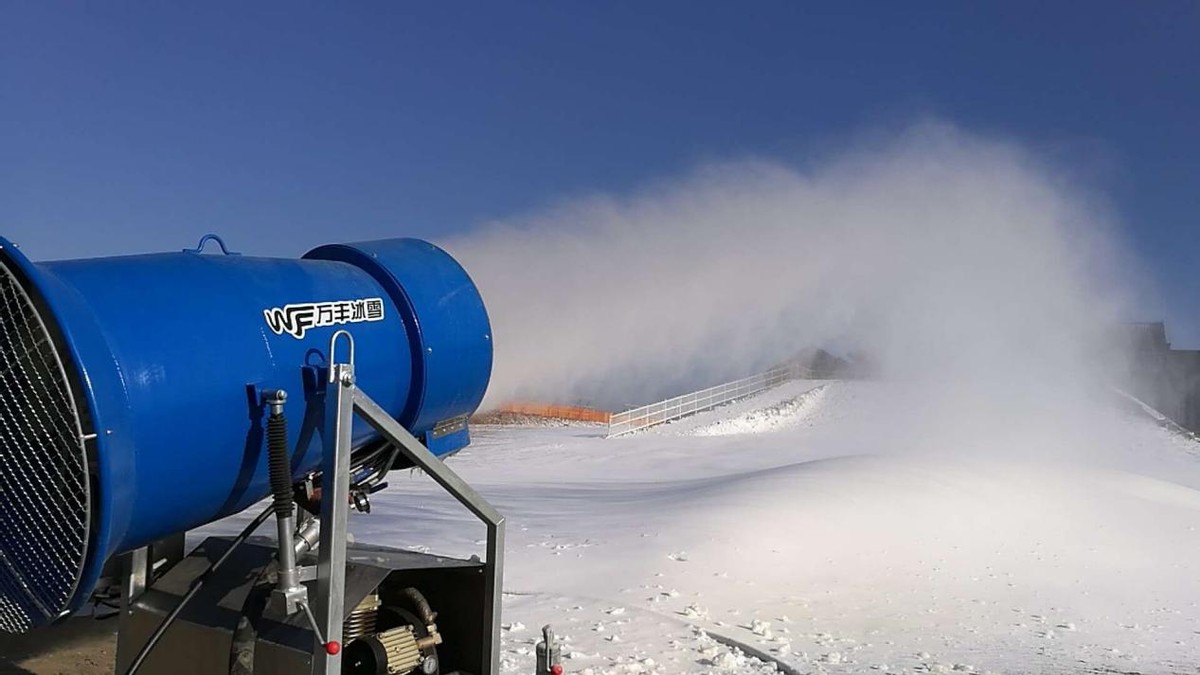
(556, 669)
(332, 648)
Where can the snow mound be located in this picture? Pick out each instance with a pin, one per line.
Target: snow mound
(783, 415)
(774, 397)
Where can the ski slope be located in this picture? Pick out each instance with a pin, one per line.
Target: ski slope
(781, 407)
(827, 528)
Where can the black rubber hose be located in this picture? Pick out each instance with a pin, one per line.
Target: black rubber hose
(280, 465)
(420, 604)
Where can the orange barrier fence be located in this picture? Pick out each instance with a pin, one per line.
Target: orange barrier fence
(565, 412)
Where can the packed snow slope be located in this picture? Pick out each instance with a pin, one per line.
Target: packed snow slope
(832, 529)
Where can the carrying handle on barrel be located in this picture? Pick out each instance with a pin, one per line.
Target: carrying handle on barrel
(207, 238)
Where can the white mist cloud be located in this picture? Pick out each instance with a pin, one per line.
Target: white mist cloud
(947, 256)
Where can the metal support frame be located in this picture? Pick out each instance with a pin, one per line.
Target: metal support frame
(335, 512)
(343, 401)
(136, 575)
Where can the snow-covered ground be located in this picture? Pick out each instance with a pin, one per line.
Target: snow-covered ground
(787, 405)
(825, 526)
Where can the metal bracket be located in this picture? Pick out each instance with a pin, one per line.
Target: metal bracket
(343, 401)
(421, 457)
(335, 511)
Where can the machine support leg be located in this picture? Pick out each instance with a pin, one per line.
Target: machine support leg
(335, 509)
(494, 589)
(136, 576)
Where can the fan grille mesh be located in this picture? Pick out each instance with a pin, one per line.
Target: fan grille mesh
(44, 488)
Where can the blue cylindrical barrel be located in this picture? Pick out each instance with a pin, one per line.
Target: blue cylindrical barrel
(129, 394)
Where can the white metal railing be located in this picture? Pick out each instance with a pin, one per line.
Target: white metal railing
(698, 401)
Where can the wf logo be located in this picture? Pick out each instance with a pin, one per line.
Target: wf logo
(295, 320)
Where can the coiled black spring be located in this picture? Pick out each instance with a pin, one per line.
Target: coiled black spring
(279, 464)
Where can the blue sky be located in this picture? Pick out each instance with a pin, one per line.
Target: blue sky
(135, 127)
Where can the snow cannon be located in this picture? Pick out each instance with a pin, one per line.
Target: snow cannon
(134, 407)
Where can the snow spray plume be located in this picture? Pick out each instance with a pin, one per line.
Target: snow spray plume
(946, 256)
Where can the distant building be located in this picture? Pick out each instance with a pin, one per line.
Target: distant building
(1166, 379)
(1147, 338)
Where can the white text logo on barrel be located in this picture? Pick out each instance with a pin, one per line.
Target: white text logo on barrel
(295, 320)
